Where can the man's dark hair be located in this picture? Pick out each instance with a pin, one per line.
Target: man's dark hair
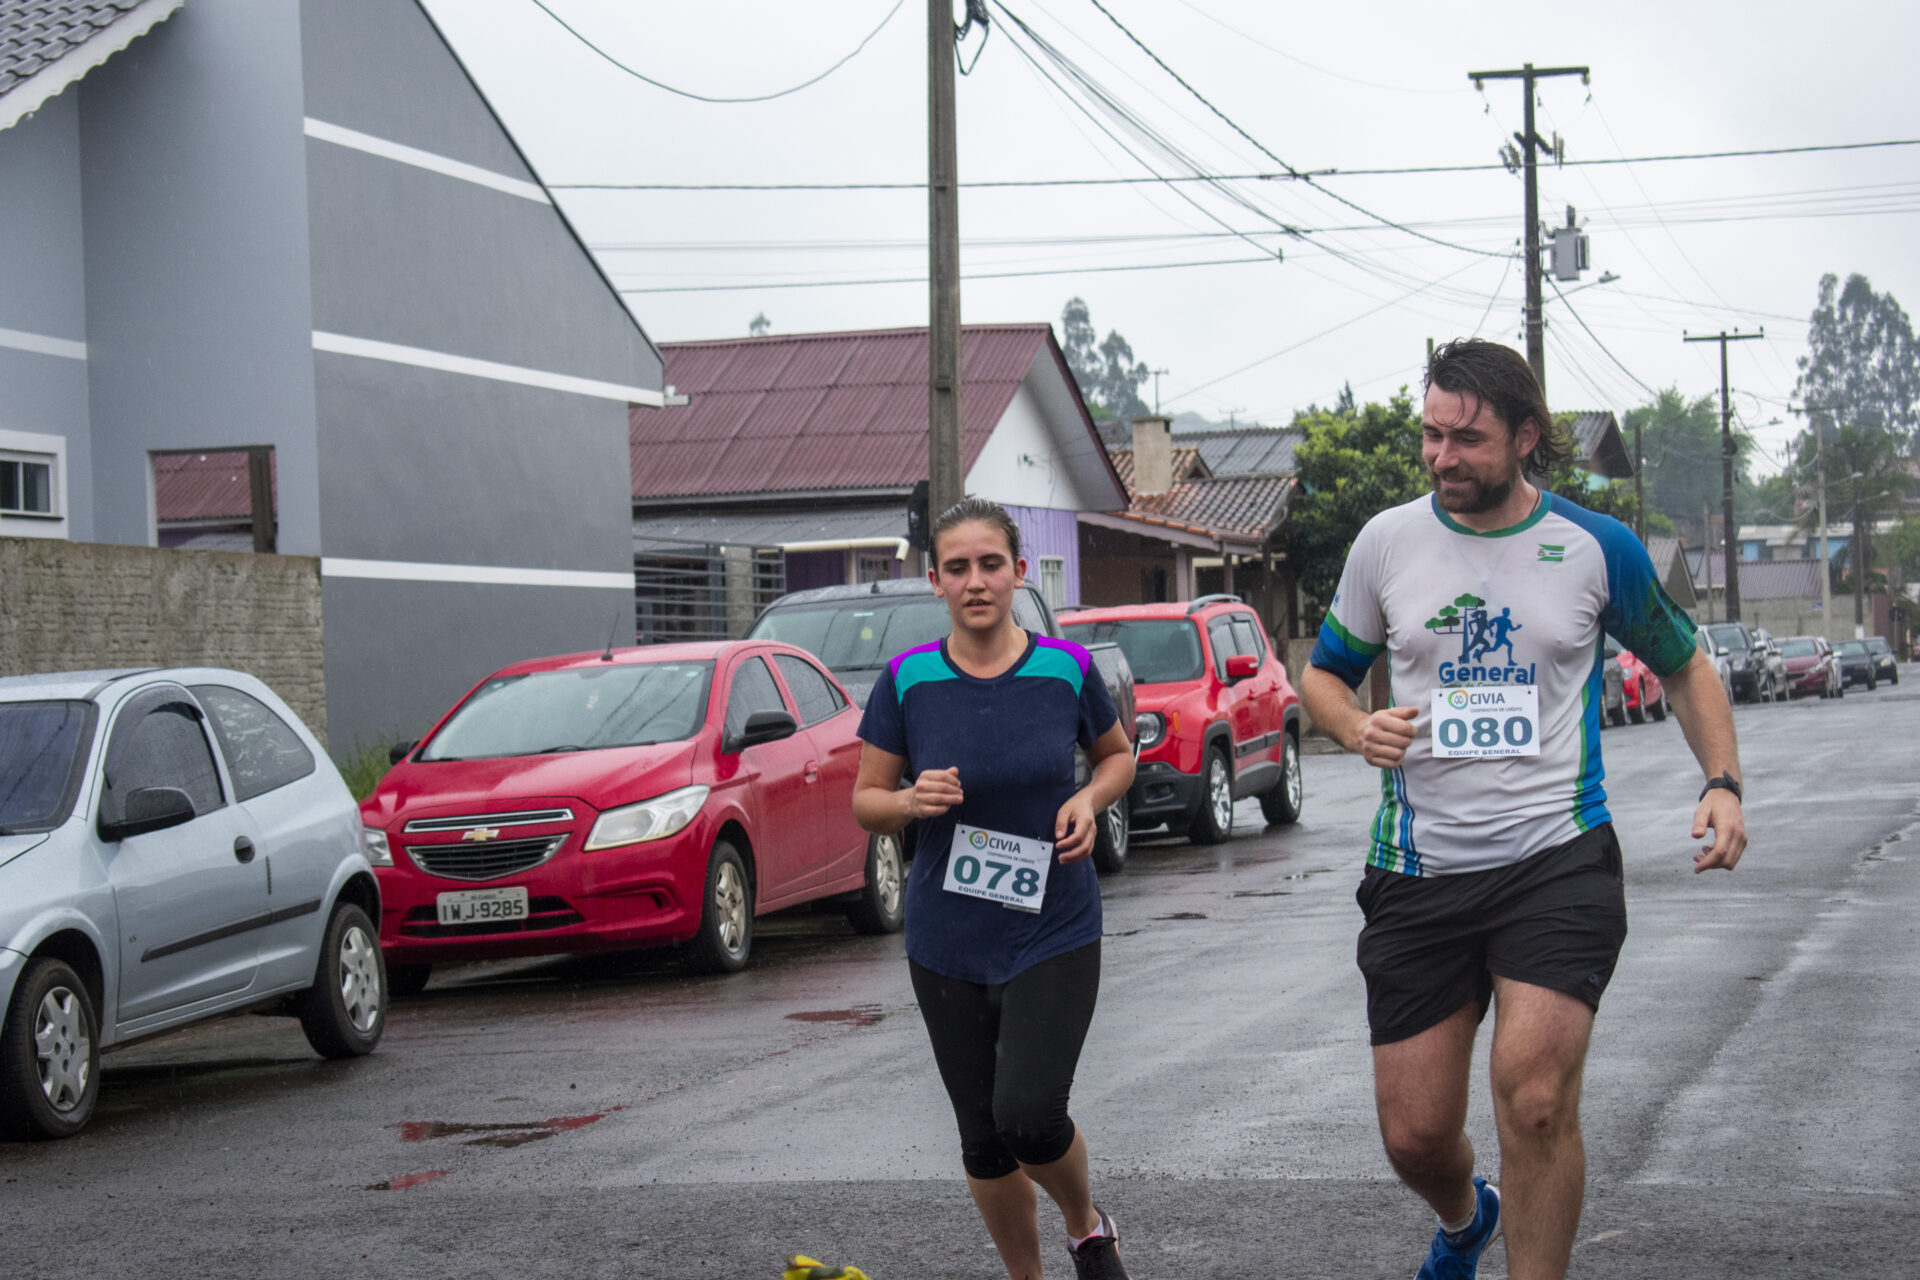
(1499, 378)
(984, 510)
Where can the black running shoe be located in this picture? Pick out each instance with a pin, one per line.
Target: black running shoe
(1098, 1257)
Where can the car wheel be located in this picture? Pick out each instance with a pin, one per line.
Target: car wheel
(1112, 837)
(1660, 705)
(1637, 713)
(882, 904)
(1873, 682)
(726, 916)
(345, 1010)
(408, 979)
(1215, 819)
(1282, 804)
(1895, 677)
(49, 1054)
(1617, 716)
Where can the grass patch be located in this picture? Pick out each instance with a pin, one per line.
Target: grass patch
(363, 768)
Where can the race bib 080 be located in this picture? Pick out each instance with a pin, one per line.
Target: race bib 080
(1486, 722)
(1010, 870)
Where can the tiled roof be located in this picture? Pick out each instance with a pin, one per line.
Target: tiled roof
(36, 34)
(1255, 451)
(1596, 435)
(1186, 464)
(205, 486)
(1769, 579)
(1247, 507)
(825, 411)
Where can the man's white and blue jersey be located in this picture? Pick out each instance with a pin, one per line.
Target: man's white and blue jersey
(1525, 605)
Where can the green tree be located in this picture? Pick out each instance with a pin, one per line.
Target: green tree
(1680, 440)
(1862, 363)
(1106, 372)
(1351, 467)
(1902, 547)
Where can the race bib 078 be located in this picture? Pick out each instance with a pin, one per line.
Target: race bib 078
(1010, 870)
(1486, 722)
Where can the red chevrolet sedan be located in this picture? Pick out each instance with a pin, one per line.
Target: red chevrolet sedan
(639, 797)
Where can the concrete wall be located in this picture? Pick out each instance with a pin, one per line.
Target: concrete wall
(76, 606)
(198, 302)
(43, 368)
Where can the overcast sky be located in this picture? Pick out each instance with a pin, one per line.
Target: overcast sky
(1698, 245)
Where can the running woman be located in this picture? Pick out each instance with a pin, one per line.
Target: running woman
(1003, 908)
(1493, 874)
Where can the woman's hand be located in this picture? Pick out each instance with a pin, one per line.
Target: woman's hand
(934, 792)
(1073, 828)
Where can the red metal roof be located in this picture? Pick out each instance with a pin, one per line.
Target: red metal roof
(818, 411)
(205, 486)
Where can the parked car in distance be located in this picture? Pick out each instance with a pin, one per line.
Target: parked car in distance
(1776, 665)
(1646, 697)
(857, 630)
(1856, 664)
(1613, 685)
(1748, 663)
(1219, 720)
(1703, 642)
(1810, 667)
(1885, 665)
(174, 845)
(640, 797)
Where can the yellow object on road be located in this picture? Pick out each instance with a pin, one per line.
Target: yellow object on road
(801, 1267)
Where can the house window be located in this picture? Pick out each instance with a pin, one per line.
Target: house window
(1053, 580)
(26, 484)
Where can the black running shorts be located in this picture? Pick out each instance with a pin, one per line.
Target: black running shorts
(1433, 944)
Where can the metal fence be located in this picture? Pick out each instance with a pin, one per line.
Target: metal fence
(692, 591)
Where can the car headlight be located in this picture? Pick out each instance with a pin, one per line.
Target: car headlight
(653, 819)
(1151, 727)
(373, 842)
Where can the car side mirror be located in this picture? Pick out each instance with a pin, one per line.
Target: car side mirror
(1241, 665)
(149, 809)
(766, 726)
(401, 750)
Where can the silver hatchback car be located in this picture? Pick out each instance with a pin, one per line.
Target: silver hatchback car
(174, 844)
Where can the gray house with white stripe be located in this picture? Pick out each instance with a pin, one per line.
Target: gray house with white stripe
(296, 230)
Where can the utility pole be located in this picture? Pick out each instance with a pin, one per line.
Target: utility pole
(1813, 412)
(1639, 491)
(1726, 462)
(1529, 139)
(1156, 388)
(1706, 553)
(943, 246)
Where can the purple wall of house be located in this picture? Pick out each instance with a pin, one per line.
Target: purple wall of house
(809, 569)
(1045, 531)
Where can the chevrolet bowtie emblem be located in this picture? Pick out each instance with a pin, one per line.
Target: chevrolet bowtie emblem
(482, 833)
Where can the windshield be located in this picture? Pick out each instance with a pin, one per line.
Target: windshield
(1728, 637)
(1852, 648)
(42, 751)
(1799, 649)
(853, 635)
(1878, 644)
(629, 704)
(1159, 651)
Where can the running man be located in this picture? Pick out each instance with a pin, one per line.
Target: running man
(1493, 875)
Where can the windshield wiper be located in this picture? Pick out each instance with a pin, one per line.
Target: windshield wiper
(547, 751)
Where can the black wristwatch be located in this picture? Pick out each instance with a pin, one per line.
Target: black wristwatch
(1725, 782)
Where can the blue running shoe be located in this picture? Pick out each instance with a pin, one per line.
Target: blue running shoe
(1458, 1259)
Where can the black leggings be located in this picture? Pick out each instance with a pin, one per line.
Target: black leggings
(1007, 1052)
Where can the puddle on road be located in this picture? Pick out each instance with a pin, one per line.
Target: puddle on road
(406, 1180)
(860, 1015)
(497, 1135)
(1262, 893)
(1183, 915)
(1124, 933)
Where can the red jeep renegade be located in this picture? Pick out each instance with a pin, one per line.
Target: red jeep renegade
(1218, 719)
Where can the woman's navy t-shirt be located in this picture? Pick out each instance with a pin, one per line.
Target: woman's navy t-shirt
(1012, 738)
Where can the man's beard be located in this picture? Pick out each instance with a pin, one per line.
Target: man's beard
(1480, 497)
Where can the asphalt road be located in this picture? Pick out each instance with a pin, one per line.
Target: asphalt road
(1751, 1099)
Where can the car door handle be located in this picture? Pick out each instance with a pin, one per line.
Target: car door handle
(813, 771)
(243, 849)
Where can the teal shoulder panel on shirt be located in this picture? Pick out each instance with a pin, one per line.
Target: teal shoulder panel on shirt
(1045, 661)
(919, 666)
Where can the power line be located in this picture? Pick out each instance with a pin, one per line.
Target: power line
(1255, 40)
(1596, 339)
(701, 97)
(971, 275)
(1300, 175)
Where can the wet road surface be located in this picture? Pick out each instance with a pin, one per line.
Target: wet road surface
(1751, 1097)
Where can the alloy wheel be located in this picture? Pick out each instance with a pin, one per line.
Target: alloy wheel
(62, 1048)
(730, 907)
(887, 880)
(1220, 794)
(1296, 785)
(360, 979)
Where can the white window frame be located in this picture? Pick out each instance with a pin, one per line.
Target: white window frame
(42, 449)
(1053, 580)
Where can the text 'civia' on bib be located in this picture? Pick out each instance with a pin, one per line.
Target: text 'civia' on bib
(1009, 870)
(1486, 723)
